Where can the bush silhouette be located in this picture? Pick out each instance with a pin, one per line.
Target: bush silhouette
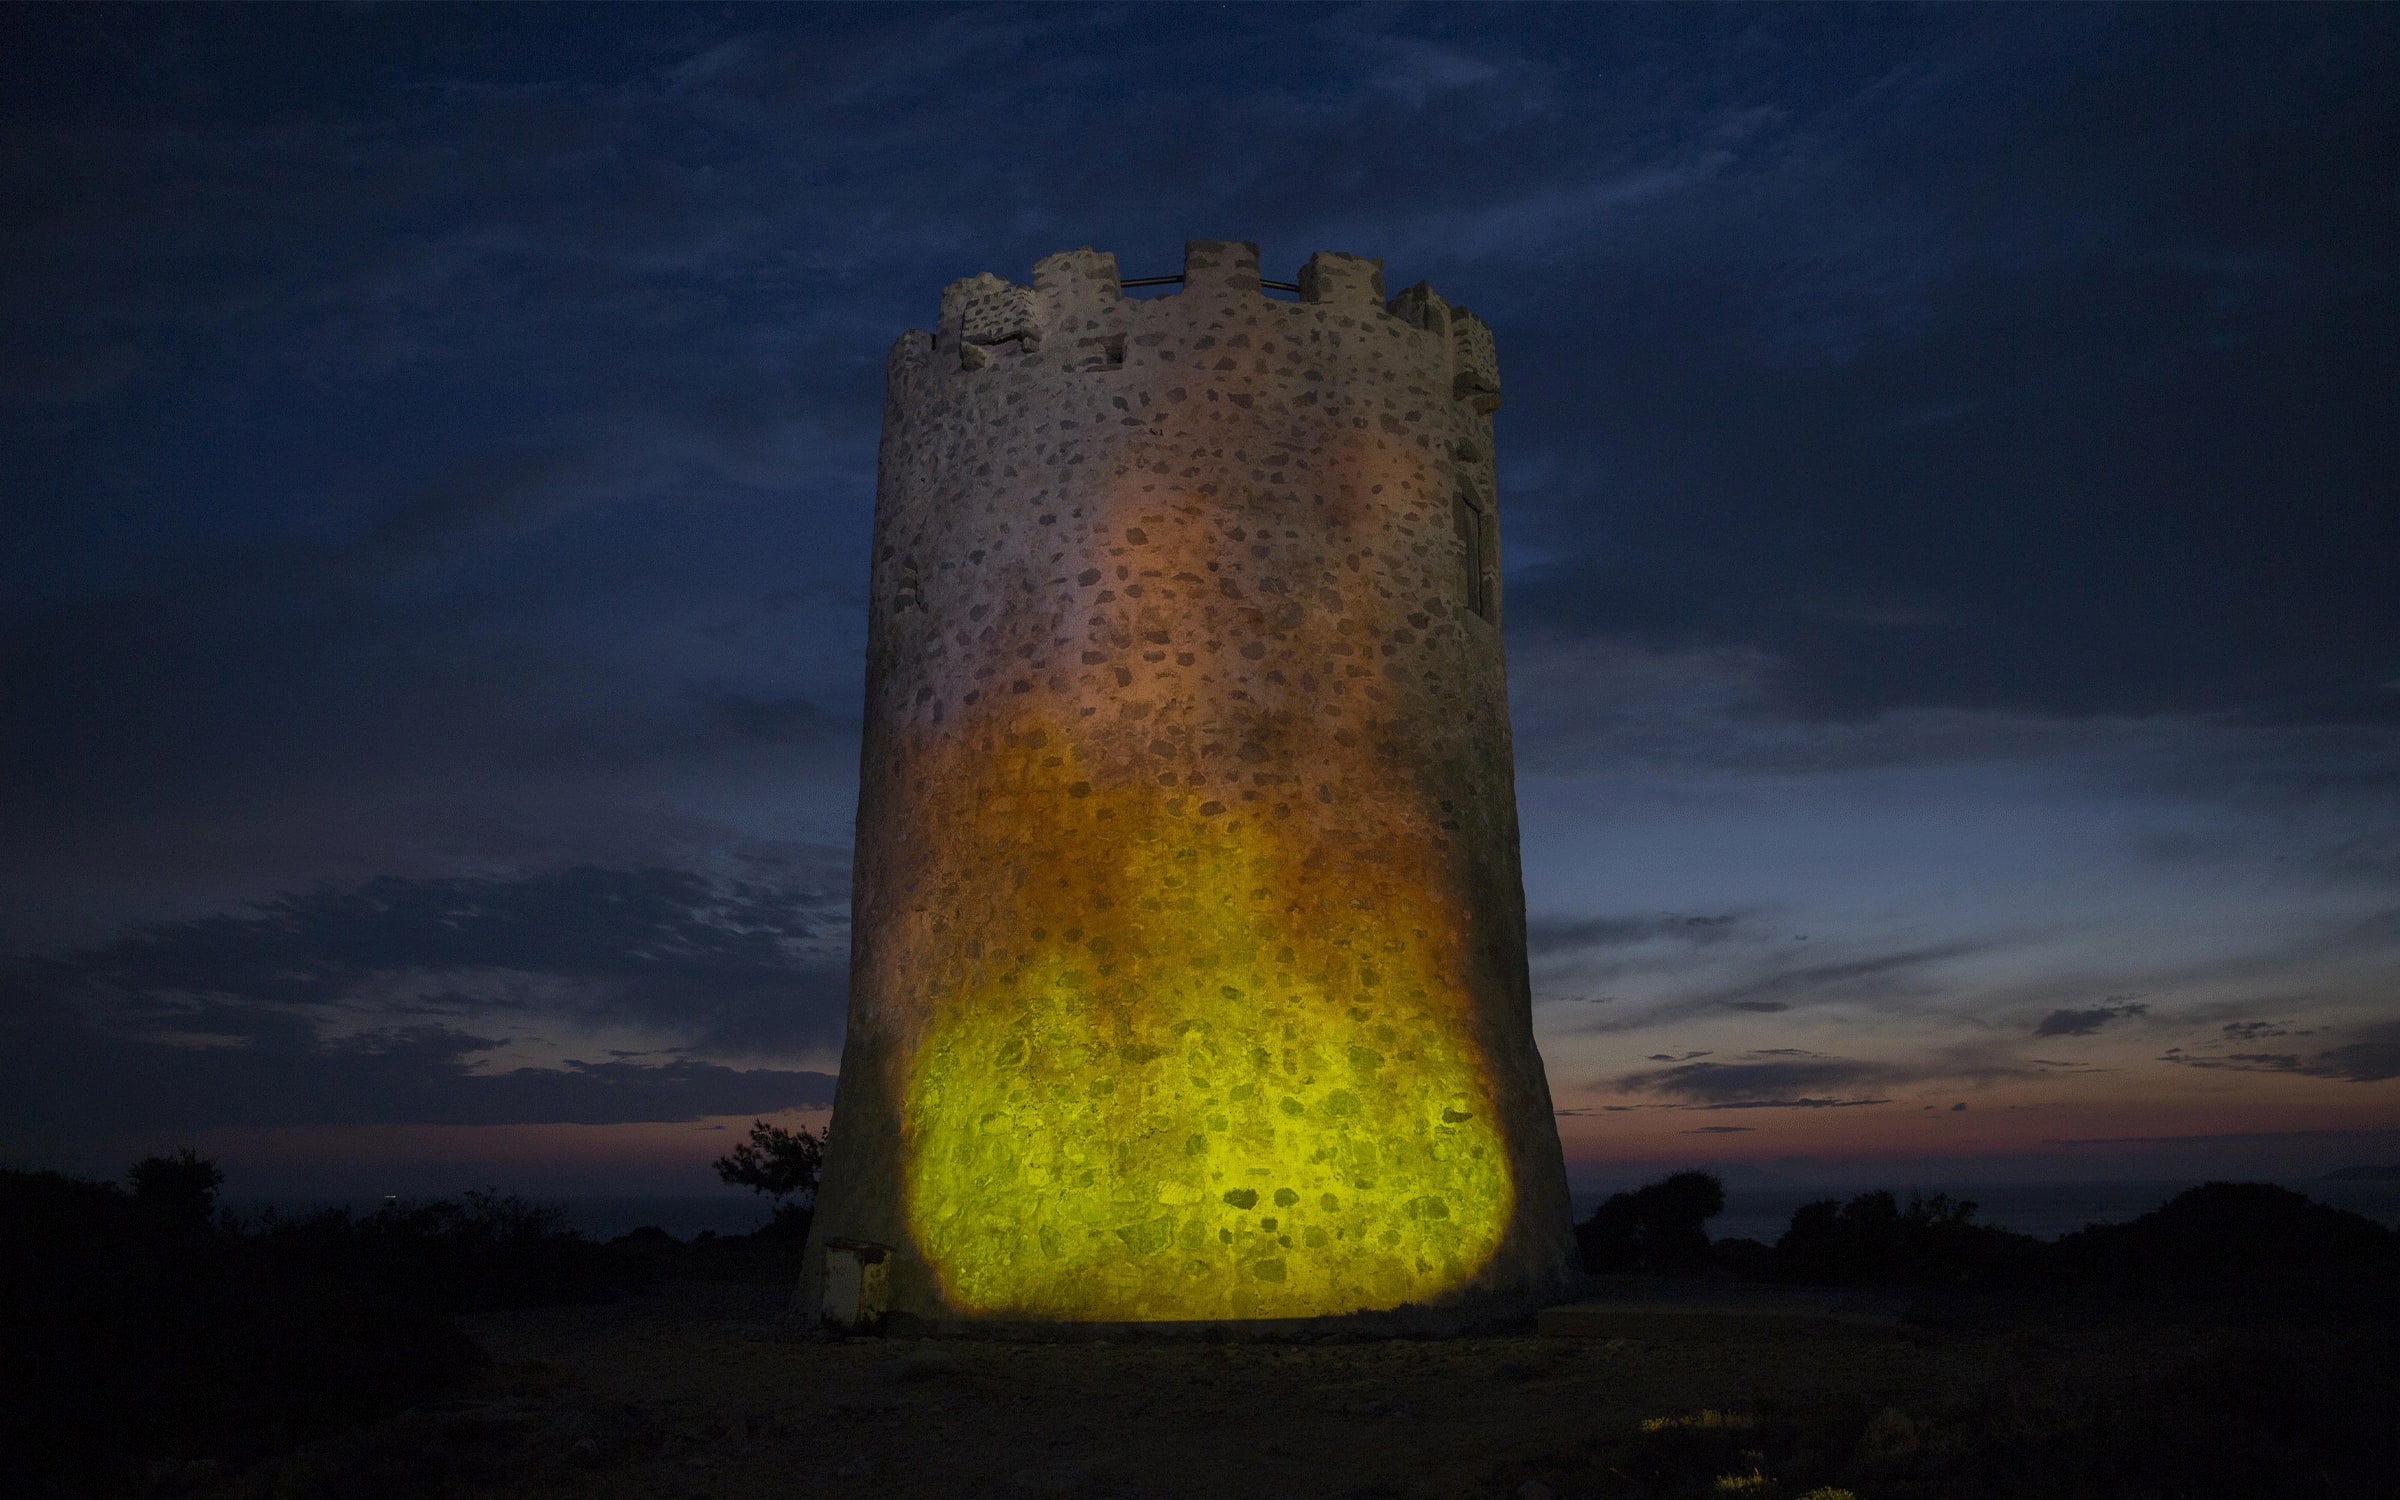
(2223, 1230)
(775, 1161)
(141, 1329)
(180, 1189)
(1934, 1241)
(139, 1332)
(781, 1164)
(1656, 1229)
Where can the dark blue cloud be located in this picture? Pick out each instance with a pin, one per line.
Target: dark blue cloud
(2371, 1057)
(2049, 374)
(1553, 935)
(66, 1083)
(2072, 1022)
(284, 1012)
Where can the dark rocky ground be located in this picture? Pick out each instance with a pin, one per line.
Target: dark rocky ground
(2238, 1342)
(691, 1389)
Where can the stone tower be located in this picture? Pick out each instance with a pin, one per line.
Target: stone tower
(1188, 970)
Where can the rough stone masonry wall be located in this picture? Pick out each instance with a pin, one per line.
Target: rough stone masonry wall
(1188, 971)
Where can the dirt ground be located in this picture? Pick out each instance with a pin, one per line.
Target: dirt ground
(693, 1390)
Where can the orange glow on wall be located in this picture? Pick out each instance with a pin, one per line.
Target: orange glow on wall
(1188, 1072)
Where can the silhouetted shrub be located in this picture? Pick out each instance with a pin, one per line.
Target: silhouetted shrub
(477, 1255)
(1742, 1259)
(1658, 1229)
(138, 1331)
(1933, 1242)
(771, 1252)
(2222, 1230)
(790, 1223)
(181, 1188)
(775, 1161)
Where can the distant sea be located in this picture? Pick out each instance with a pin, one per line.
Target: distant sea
(2044, 1210)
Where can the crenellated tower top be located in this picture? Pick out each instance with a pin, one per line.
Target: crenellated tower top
(1076, 315)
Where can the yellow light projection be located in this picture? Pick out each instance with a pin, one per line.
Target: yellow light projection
(1196, 1064)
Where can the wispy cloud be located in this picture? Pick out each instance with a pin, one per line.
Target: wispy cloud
(1794, 1103)
(1765, 1084)
(1797, 1078)
(1553, 935)
(67, 1082)
(1878, 976)
(2085, 1022)
(2372, 1058)
(344, 1003)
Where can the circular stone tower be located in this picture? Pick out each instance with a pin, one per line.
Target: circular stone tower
(1188, 969)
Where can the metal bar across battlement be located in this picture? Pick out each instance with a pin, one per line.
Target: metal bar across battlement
(1272, 286)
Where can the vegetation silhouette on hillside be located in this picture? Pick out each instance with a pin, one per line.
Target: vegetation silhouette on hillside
(781, 1164)
(149, 1331)
(1660, 1229)
(2219, 1232)
(152, 1333)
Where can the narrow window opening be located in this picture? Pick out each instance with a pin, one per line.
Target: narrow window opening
(1478, 586)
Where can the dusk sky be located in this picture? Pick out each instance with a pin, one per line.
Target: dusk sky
(1948, 479)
